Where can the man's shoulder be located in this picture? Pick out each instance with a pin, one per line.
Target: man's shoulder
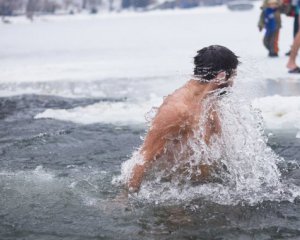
(175, 104)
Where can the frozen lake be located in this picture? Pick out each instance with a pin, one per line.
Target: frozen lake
(73, 94)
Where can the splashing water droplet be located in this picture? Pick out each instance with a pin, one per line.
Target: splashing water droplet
(244, 167)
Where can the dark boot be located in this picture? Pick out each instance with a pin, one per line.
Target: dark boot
(272, 54)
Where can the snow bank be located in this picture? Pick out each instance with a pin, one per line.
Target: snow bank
(132, 45)
(279, 112)
(119, 113)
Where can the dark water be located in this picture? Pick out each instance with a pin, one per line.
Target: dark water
(55, 183)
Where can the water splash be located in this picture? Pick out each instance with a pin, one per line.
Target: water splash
(245, 166)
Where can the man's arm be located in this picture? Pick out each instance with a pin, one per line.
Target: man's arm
(212, 125)
(168, 122)
(261, 22)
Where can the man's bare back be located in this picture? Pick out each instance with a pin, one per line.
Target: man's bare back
(178, 118)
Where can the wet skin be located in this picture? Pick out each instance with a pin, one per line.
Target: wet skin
(179, 116)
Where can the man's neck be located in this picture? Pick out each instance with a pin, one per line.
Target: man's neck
(202, 89)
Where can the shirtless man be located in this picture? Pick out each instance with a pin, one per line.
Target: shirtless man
(179, 115)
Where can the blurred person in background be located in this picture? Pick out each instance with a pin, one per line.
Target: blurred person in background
(270, 19)
(289, 9)
(291, 65)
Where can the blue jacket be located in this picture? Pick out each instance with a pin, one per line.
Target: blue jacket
(270, 21)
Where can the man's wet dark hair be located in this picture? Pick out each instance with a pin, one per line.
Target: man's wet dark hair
(211, 60)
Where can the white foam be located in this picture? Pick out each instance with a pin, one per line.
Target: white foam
(29, 182)
(119, 113)
(279, 112)
(39, 174)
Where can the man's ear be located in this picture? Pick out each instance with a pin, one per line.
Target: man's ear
(221, 76)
